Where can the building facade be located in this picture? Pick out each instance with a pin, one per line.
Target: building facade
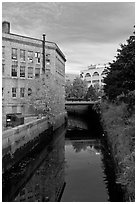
(94, 75)
(24, 60)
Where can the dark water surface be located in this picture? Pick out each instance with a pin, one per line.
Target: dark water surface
(85, 178)
(73, 166)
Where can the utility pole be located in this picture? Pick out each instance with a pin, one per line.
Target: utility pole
(43, 43)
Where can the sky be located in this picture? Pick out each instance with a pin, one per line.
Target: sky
(86, 32)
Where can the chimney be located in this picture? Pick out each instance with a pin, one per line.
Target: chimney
(5, 27)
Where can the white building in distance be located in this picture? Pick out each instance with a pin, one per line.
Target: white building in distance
(94, 74)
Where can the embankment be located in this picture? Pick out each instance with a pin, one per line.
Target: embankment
(16, 142)
(119, 129)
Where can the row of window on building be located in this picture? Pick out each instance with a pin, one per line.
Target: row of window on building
(95, 81)
(22, 92)
(14, 55)
(30, 57)
(14, 70)
(94, 74)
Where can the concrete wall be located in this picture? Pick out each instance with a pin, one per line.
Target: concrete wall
(15, 141)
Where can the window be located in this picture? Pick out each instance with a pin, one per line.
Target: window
(14, 68)
(3, 69)
(87, 75)
(22, 92)
(22, 55)
(14, 53)
(29, 91)
(30, 56)
(30, 72)
(95, 81)
(3, 52)
(102, 80)
(14, 92)
(95, 74)
(37, 72)
(81, 75)
(2, 92)
(22, 71)
(37, 56)
(47, 59)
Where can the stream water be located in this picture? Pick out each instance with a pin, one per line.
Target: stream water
(73, 167)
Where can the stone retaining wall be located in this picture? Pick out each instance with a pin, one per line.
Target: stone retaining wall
(18, 138)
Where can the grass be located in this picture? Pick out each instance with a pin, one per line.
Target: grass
(120, 128)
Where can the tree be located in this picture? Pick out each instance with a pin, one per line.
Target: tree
(47, 97)
(91, 94)
(68, 90)
(120, 77)
(77, 90)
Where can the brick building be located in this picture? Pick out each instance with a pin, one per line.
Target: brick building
(94, 75)
(24, 60)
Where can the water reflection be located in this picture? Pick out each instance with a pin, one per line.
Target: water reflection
(42, 179)
(90, 172)
(82, 162)
(85, 178)
(87, 146)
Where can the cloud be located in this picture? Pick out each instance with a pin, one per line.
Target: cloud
(86, 32)
(80, 55)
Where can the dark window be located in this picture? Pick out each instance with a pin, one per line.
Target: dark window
(29, 91)
(3, 52)
(30, 72)
(95, 81)
(14, 53)
(3, 69)
(22, 71)
(37, 56)
(30, 56)
(22, 55)
(14, 68)
(102, 80)
(2, 92)
(95, 74)
(87, 75)
(48, 58)
(14, 92)
(37, 73)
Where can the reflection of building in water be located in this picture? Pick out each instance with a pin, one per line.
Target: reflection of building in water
(47, 182)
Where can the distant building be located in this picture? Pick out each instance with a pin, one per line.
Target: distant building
(94, 74)
(25, 59)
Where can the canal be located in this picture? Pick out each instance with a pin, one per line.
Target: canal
(73, 165)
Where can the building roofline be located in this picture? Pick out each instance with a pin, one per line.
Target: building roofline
(40, 40)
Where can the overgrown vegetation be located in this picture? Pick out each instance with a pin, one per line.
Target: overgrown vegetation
(119, 125)
(118, 115)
